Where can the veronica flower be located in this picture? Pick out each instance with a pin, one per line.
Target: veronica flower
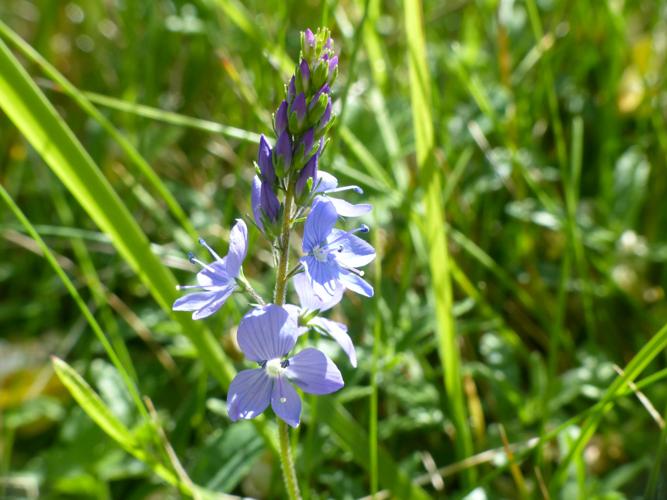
(332, 255)
(266, 335)
(327, 184)
(216, 281)
(311, 303)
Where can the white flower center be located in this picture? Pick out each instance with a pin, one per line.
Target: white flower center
(274, 367)
(320, 253)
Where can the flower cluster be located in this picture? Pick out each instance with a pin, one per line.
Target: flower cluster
(289, 188)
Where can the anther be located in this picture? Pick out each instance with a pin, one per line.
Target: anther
(364, 228)
(191, 257)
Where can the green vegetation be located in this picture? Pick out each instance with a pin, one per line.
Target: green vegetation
(515, 153)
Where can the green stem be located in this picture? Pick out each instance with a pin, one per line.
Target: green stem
(286, 460)
(283, 247)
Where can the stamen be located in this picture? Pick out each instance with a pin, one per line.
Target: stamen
(203, 243)
(356, 189)
(195, 260)
(188, 287)
(354, 270)
(361, 229)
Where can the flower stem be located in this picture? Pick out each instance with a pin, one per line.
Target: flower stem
(283, 248)
(286, 460)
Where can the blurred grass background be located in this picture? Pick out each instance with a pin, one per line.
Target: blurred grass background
(535, 131)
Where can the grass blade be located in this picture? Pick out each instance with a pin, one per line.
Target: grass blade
(93, 405)
(129, 383)
(641, 360)
(434, 227)
(125, 144)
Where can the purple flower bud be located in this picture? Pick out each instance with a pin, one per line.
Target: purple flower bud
(264, 161)
(291, 90)
(283, 153)
(326, 116)
(309, 37)
(307, 141)
(333, 63)
(269, 202)
(324, 90)
(307, 172)
(304, 74)
(297, 114)
(280, 118)
(265, 205)
(329, 44)
(333, 70)
(308, 44)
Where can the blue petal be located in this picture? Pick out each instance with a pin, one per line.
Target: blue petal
(319, 223)
(338, 332)
(249, 394)
(351, 251)
(214, 274)
(267, 332)
(346, 209)
(356, 283)
(218, 299)
(325, 182)
(238, 246)
(309, 300)
(314, 372)
(323, 276)
(193, 301)
(286, 402)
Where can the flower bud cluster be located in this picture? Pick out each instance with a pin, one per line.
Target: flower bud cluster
(300, 123)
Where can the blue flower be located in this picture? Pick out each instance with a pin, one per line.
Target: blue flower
(266, 335)
(216, 281)
(311, 303)
(332, 255)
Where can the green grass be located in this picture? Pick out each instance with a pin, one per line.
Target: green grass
(514, 153)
